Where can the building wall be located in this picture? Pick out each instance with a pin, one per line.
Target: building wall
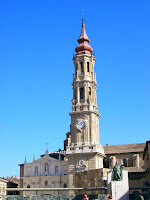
(136, 180)
(46, 172)
(130, 159)
(146, 158)
(93, 179)
(53, 168)
(3, 186)
(21, 175)
(98, 178)
(45, 182)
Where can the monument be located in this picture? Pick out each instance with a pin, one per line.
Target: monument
(117, 183)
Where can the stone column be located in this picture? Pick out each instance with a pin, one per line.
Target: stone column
(77, 75)
(95, 95)
(85, 97)
(78, 93)
(78, 98)
(84, 70)
(84, 92)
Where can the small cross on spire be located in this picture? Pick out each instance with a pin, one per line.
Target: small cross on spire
(25, 161)
(47, 146)
(33, 158)
(46, 153)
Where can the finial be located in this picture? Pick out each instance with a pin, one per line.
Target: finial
(25, 160)
(59, 154)
(46, 153)
(47, 146)
(82, 17)
(83, 22)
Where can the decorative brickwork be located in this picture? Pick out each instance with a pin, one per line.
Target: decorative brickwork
(91, 179)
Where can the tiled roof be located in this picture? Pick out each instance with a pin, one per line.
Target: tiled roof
(13, 179)
(124, 148)
(134, 169)
(55, 155)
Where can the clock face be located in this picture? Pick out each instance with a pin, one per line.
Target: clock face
(81, 124)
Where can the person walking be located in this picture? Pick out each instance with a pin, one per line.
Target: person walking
(85, 197)
(108, 197)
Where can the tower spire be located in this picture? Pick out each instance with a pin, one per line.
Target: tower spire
(83, 35)
(83, 41)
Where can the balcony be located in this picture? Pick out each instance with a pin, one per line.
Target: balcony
(84, 148)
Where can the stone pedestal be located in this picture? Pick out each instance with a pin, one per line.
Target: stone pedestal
(118, 189)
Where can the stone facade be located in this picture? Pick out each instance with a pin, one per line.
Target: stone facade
(46, 172)
(129, 155)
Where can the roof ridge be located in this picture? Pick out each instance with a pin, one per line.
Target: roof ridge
(122, 144)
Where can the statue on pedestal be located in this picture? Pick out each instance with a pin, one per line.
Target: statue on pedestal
(117, 174)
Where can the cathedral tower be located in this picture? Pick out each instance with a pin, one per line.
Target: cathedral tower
(84, 151)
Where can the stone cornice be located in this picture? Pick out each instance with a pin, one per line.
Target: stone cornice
(85, 81)
(76, 57)
(85, 112)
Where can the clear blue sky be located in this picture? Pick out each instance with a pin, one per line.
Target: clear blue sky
(37, 42)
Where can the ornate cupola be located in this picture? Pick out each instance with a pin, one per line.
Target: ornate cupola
(83, 41)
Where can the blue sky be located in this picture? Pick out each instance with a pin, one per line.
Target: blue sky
(37, 42)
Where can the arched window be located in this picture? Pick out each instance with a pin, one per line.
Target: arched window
(76, 69)
(56, 169)
(88, 68)
(124, 162)
(36, 170)
(28, 186)
(65, 185)
(81, 93)
(89, 89)
(81, 64)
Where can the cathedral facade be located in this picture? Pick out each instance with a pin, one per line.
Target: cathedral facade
(49, 171)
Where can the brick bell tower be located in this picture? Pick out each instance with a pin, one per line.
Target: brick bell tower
(84, 151)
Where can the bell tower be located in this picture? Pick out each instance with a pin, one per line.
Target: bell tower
(84, 151)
